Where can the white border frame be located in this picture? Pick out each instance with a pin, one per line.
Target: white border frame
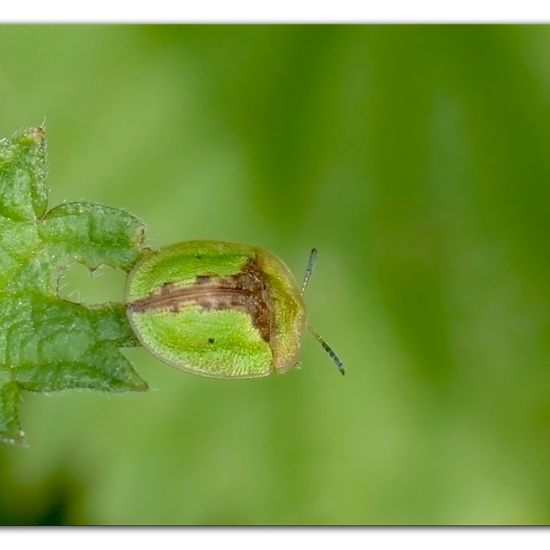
(282, 11)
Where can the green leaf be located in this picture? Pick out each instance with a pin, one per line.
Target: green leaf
(48, 343)
(23, 190)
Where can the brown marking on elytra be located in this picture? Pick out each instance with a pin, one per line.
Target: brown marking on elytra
(246, 291)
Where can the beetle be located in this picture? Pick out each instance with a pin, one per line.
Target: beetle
(220, 309)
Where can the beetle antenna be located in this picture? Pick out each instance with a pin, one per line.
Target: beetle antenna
(307, 276)
(338, 362)
(309, 268)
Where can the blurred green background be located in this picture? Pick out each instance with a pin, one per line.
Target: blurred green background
(417, 160)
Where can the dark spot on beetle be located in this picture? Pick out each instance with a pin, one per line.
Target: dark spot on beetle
(167, 287)
(210, 340)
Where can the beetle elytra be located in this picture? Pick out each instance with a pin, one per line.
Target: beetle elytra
(220, 309)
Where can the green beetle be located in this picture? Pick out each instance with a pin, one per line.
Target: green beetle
(219, 309)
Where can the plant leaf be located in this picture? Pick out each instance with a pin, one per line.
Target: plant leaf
(48, 343)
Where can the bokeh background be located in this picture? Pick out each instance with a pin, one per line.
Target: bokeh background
(417, 160)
